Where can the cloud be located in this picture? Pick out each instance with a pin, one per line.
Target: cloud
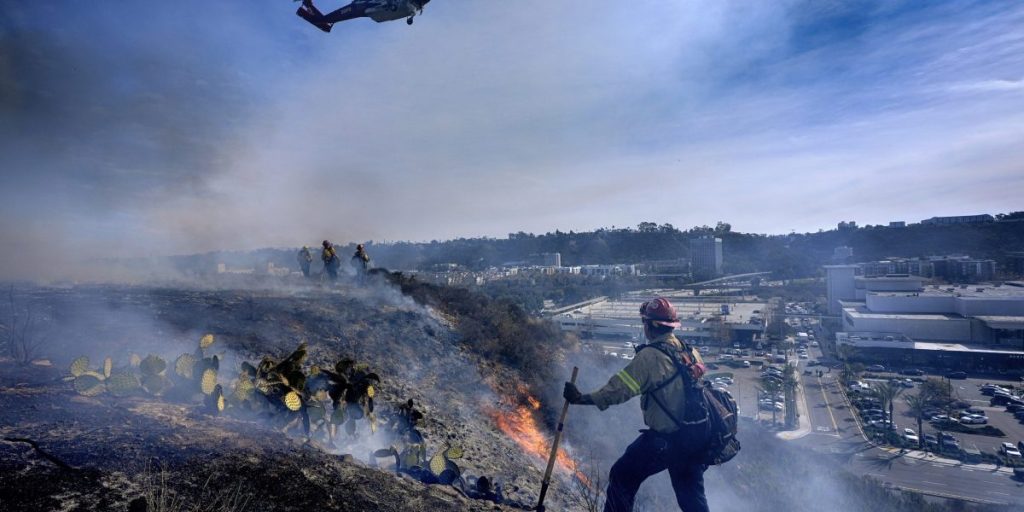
(240, 128)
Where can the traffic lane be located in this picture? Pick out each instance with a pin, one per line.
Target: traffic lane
(819, 407)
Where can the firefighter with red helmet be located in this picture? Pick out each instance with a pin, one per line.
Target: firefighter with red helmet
(676, 437)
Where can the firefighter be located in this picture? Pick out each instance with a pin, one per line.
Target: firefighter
(677, 436)
(305, 258)
(331, 261)
(361, 263)
(361, 260)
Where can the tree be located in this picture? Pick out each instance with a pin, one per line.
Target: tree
(918, 404)
(851, 372)
(789, 384)
(23, 336)
(887, 393)
(770, 388)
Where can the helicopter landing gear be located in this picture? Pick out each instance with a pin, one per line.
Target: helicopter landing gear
(408, 21)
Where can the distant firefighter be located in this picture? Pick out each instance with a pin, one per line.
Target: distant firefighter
(331, 261)
(360, 260)
(305, 258)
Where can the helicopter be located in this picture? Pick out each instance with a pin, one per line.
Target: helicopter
(376, 10)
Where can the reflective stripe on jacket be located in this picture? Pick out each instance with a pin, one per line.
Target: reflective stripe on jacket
(649, 369)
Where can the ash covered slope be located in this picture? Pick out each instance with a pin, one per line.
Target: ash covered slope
(416, 350)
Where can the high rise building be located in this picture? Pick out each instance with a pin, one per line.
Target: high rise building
(840, 286)
(706, 256)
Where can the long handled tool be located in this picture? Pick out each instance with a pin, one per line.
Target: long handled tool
(554, 449)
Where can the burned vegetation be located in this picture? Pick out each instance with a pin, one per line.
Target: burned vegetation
(350, 399)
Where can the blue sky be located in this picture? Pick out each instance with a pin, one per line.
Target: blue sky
(168, 127)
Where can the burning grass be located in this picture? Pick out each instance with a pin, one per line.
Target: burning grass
(519, 422)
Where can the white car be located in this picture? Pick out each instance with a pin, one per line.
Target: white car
(814, 343)
(910, 435)
(974, 419)
(1010, 451)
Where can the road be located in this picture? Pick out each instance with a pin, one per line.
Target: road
(835, 431)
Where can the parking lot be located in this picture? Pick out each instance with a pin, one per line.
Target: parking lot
(969, 391)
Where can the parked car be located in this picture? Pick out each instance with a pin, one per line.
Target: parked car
(974, 410)
(1010, 451)
(911, 436)
(746, 364)
(956, 375)
(949, 446)
(875, 368)
(940, 418)
(931, 440)
(1014, 407)
(973, 419)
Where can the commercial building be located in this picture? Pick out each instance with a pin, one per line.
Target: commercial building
(551, 259)
(706, 256)
(959, 219)
(953, 268)
(839, 281)
(715, 321)
(896, 350)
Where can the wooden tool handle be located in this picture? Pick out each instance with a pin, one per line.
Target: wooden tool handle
(554, 448)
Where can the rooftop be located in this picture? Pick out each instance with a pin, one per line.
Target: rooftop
(898, 341)
(968, 291)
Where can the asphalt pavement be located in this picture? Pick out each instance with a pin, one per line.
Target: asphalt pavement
(836, 432)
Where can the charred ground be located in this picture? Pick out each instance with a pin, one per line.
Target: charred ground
(110, 451)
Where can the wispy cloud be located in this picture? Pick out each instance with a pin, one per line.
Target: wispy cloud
(197, 130)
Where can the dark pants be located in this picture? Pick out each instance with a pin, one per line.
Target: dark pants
(305, 269)
(651, 454)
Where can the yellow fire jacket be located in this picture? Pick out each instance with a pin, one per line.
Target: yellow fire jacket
(649, 369)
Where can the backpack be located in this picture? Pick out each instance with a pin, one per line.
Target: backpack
(703, 403)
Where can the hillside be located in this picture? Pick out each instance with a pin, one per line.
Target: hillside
(111, 440)
(445, 348)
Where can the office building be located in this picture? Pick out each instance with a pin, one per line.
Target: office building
(706, 257)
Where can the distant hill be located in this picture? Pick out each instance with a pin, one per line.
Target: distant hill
(787, 256)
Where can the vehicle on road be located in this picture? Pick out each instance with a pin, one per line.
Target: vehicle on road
(875, 368)
(914, 372)
(956, 375)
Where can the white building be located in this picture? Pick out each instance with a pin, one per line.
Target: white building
(839, 280)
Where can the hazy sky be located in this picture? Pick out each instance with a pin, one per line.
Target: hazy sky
(172, 127)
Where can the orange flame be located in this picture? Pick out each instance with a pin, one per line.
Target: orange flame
(520, 424)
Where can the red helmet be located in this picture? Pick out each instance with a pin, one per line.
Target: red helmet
(660, 312)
